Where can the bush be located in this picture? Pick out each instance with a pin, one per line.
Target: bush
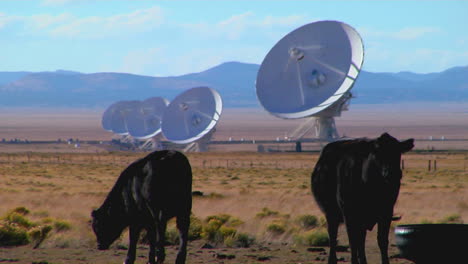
(39, 234)
(267, 212)
(16, 229)
(62, 225)
(172, 236)
(276, 228)
(195, 229)
(307, 221)
(314, 237)
(12, 235)
(244, 240)
(19, 219)
(221, 229)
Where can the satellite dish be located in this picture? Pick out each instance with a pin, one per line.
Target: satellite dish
(121, 115)
(192, 116)
(106, 121)
(144, 121)
(309, 73)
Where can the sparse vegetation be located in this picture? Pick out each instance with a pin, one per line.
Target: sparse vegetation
(66, 193)
(276, 227)
(17, 229)
(267, 212)
(307, 221)
(314, 237)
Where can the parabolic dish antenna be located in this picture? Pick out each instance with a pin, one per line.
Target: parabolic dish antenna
(145, 119)
(310, 72)
(106, 121)
(192, 116)
(120, 117)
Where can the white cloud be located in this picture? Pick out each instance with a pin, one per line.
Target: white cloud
(43, 21)
(239, 25)
(411, 33)
(408, 33)
(98, 27)
(61, 2)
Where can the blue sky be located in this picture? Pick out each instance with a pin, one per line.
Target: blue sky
(162, 38)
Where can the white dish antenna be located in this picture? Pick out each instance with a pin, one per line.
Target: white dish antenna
(145, 119)
(121, 115)
(192, 116)
(106, 121)
(309, 73)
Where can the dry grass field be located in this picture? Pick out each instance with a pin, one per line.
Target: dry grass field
(266, 195)
(258, 190)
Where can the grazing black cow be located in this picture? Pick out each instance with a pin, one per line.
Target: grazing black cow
(357, 182)
(147, 194)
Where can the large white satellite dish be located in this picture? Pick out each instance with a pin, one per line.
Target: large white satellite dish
(309, 73)
(191, 117)
(145, 119)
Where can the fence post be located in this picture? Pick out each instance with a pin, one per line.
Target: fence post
(429, 165)
(435, 165)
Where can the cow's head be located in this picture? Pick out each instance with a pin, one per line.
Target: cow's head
(387, 155)
(106, 228)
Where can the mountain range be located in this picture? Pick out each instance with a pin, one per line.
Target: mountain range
(235, 81)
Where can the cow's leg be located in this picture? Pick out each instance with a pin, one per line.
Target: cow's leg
(151, 234)
(160, 239)
(382, 238)
(357, 241)
(333, 224)
(183, 224)
(133, 239)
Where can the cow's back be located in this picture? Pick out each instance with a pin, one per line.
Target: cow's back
(168, 178)
(336, 170)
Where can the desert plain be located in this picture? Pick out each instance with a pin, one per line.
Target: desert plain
(264, 194)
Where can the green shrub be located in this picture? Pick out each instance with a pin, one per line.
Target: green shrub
(276, 228)
(267, 212)
(21, 210)
(222, 218)
(62, 225)
(314, 237)
(307, 221)
(227, 231)
(244, 240)
(39, 234)
(12, 234)
(19, 219)
(172, 236)
(220, 229)
(195, 229)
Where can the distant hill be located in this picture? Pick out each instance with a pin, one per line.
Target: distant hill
(234, 80)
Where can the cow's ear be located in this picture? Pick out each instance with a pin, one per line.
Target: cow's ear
(406, 145)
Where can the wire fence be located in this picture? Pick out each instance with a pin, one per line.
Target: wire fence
(416, 161)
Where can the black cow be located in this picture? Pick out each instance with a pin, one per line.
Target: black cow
(147, 194)
(357, 182)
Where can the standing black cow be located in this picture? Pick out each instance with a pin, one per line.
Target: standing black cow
(146, 195)
(357, 182)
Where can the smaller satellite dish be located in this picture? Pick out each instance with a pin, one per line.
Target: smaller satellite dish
(106, 121)
(121, 115)
(192, 115)
(144, 121)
